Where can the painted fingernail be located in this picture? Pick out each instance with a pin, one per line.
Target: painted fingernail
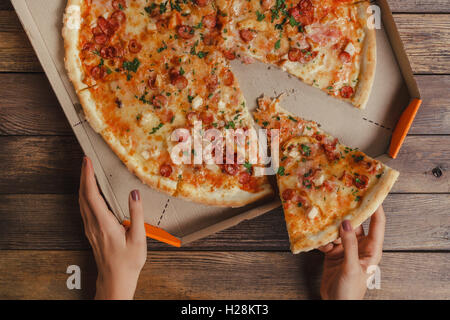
(347, 225)
(135, 195)
(84, 160)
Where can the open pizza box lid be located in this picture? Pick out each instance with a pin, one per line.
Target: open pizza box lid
(378, 130)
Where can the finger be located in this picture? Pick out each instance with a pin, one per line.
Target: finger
(81, 200)
(91, 195)
(137, 228)
(376, 227)
(359, 231)
(326, 248)
(350, 244)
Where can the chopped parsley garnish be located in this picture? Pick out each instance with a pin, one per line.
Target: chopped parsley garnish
(292, 119)
(260, 16)
(306, 150)
(162, 7)
(278, 44)
(156, 128)
(248, 166)
(131, 66)
(281, 171)
(164, 47)
(150, 8)
(293, 22)
(230, 124)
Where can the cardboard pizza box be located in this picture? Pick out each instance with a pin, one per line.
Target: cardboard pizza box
(379, 130)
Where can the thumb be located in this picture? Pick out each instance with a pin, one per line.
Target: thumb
(137, 228)
(350, 244)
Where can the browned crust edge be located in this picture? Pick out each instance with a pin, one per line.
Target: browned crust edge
(371, 201)
(368, 61)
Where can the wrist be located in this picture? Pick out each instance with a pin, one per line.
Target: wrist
(115, 286)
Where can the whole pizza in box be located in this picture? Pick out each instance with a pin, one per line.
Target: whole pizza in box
(150, 75)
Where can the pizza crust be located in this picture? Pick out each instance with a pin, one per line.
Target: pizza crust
(371, 201)
(234, 197)
(71, 46)
(368, 61)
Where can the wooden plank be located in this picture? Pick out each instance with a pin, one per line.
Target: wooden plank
(29, 106)
(34, 110)
(418, 157)
(39, 164)
(425, 37)
(53, 222)
(52, 164)
(219, 275)
(16, 52)
(419, 6)
(434, 114)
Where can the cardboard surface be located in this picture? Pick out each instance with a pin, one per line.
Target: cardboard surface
(370, 130)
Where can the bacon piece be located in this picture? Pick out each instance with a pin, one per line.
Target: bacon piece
(159, 101)
(267, 4)
(303, 12)
(229, 54)
(88, 46)
(185, 32)
(347, 179)
(166, 115)
(206, 117)
(210, 21)
(96, 31)
(152, 82)
(301, 55)
(202, 3)
(212, 82)
(247, 35)
(165, 170)
(192, 116)
(119, 4)
(98, 73)
(180, 82)
(346, 92)
(244, 177)
(345, 57)
(119, 16)
(228, 78)
(134, 46)
(288, 194)
(231, 169)
(101, 39)
(108, 52)
(211, 39)
(361, 181)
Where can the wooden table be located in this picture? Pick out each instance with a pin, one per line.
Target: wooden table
(41, 230)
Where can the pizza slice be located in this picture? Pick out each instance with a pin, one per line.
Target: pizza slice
(321, 182)
(327, 44)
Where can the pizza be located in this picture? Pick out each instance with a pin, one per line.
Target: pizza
(321, 181)
(144, 71)
(147, 71)
(325, 43)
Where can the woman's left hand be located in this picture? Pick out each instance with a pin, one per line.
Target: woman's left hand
(120, 254)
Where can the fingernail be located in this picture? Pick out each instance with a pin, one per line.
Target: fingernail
(135, 195)
(84, 160)
(346, 225)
